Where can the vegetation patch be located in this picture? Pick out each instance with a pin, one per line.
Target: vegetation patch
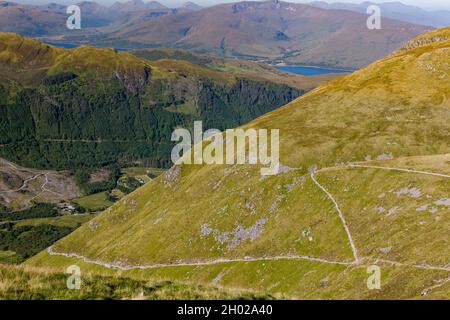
(26, 241)
(95, 202)
(40, 210)
(25, 283)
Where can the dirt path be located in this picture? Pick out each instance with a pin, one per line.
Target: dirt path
(44, 189)
(400, 169)
(347, 230)
(93, 141)
(24, 184)
(437, 285)
(198, 263)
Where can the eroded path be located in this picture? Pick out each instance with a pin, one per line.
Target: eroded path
(341, 216)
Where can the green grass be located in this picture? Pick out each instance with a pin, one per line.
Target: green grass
(9, 257)
(140, 171)
(71, 221)
(18, 283)
(285, 279)
(94, 202)
(383, 216)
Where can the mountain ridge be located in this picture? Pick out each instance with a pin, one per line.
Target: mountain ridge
(277, 32)
(282, 30)
(61, 99)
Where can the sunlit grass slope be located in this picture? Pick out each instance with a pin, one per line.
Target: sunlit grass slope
(19, 283)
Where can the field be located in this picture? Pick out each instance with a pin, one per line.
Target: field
(94, 202)
(71, 221)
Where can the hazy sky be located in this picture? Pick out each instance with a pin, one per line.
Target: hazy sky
(426, 4)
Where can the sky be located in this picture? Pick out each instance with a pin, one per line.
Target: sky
(426, 4)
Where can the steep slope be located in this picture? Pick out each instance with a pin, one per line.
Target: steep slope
(65, 108)
(275, 30)
(330, 211)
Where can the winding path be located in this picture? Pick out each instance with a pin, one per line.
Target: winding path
(24, 184)
(358, 261)
(52, 252)
(355, 165)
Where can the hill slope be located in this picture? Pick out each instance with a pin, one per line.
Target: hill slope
(18, 283)
(275, 30)
(312, 230)
(65, 108)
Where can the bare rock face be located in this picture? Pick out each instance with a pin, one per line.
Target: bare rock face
(134, 80)
(172, 176)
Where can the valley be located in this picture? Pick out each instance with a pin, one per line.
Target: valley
(95, 125)
(126, 106)
(364, 186)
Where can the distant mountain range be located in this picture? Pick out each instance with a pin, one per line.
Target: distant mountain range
(50, 19)
(272, 31)
(395, 10)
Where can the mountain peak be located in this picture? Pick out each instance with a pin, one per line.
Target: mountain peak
(190, 5)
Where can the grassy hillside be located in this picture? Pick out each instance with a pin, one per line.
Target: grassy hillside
(18, 283)
(66, 108)
(378, 194)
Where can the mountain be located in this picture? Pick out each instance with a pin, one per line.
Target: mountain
(32, 20)
(363, 182)
(396, 11)
(190, 6)
(50, 20)
(236, 67)
(273, 31)
(136, 5)
(295, 33)
(65, 108)
(96, 15)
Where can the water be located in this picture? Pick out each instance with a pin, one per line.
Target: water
(64, 45)
(73, 45)
(311, 71)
